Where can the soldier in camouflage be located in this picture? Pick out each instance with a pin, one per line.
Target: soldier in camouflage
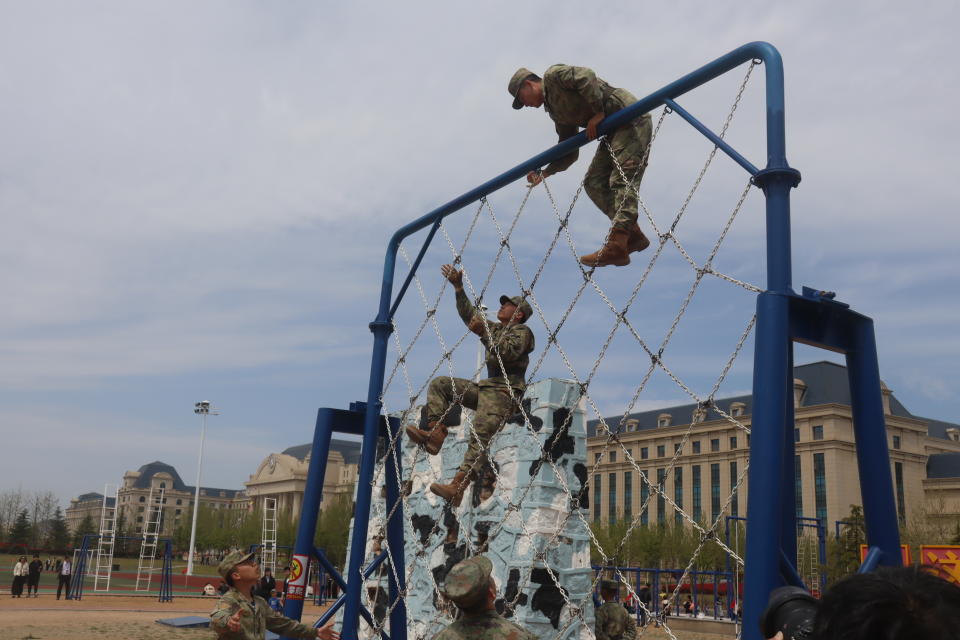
(508, 341)
(471, 587)
(240, 615)
(575, 97)
(613, 622)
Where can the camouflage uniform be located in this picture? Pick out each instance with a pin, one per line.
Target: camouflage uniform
(490, 398)
(614, 622)
(571, 96)
(467, 584)
(257, 615)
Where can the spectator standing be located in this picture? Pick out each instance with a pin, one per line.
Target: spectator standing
(275, 602)
(268, 585)
(644, 597)
(33, 575)
(20, 571)
(63, 576)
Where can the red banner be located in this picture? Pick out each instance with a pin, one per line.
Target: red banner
(944, 558)
(904, 554)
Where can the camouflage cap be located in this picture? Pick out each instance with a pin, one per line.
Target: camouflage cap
(516, 81)
(467, 581)
(611, 585)
(230, 561)
(521, 304)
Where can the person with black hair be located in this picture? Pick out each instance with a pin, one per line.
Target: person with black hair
(891, 603)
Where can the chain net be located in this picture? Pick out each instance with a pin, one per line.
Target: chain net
(612, 344)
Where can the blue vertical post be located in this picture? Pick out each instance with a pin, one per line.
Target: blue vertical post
(873, 457)
(770, 377)
(788, 498)
(310, 507)
(396, 576)
(381, 328)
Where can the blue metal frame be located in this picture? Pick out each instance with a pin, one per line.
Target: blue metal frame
(782, 316)
(165, 594)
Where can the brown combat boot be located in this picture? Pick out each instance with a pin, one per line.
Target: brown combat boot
(637, 242)
(453, 492)
(431, 440)
(614, 251)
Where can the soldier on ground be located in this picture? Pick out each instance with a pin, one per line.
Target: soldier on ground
(613, 622)
(240, 615)
(575, 97)
(510, 341)
(471, 587)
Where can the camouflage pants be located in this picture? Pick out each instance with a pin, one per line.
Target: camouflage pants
(604, 183)
(492, 406)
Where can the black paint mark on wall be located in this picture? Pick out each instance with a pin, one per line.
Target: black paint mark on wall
(548, 598)
(503, 604)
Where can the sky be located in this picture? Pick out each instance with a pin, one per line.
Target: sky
(196, 198)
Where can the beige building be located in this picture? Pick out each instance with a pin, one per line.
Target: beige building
(712, 453)
(134, 496)
(283, 476)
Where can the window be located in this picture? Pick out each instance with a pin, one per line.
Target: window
(613, 456)
(178, 512)
(612, 498)
(818, 432)
(163, 485)
(596, 458)
(796, 434)
(896, 442)
(644, 453)
(898, 477)
(696, 446)
(139, 529)
(164, 501)
(629, 452)
(661, 502)
(678, 494)
(139, 519)
(677, 447)
(628, 496)
(139, 509)
(798, 486)
(733, 442)
(697, 506)
(644, 496)
(715, 490)
(179, 502)
(596, 498)
(715, 444)
(734, 502)
(820, 485)
(143, 499)
(664, 420)
(737, 409)
(661, 450)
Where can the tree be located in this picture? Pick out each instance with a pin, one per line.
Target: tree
(332, 529)
(86, 526)
(58, 536)
(20, 531)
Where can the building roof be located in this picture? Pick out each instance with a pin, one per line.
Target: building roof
(349, 449)
(93, 496)
(150, 469)
(943, 465)
(826, 384)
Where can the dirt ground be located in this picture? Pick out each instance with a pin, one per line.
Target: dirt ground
(134, 618)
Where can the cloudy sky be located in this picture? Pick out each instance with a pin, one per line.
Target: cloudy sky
(196, 198)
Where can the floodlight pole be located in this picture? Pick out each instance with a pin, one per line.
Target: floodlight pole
(203, 409)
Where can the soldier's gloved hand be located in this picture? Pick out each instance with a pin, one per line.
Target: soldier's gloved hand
(534, 178)
(592, 125)
(327, 633)
(454, 275)
(477, 325)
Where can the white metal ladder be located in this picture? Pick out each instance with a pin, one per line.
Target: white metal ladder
(268, 550)
(151, 536)
(107, 539)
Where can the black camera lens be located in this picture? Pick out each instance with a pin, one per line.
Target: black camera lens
(792, 611)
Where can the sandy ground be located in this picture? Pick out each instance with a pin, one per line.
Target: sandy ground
(134, 618)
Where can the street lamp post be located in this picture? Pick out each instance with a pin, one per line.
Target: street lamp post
(203, 409)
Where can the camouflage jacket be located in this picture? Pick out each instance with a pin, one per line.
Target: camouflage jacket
(488, 625)
(614, 622)
(258, 617)
(571, 96)
(514, 344)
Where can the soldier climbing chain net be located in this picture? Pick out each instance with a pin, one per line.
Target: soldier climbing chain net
(415, 391)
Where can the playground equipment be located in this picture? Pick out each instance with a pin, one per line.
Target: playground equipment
(268, 538)
(83, 556)
(107, 538)
(813, 317)
(153, 523)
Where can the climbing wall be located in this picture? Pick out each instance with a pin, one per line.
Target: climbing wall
(527, 514)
